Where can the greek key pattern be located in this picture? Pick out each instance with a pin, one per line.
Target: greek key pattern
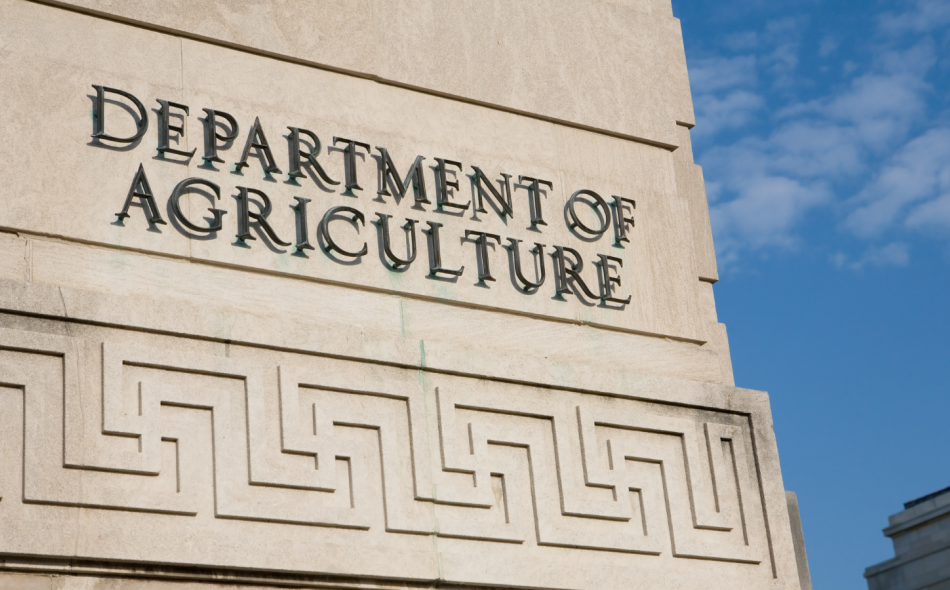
(345, 445)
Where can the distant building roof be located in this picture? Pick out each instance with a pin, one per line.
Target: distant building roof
(923, 499)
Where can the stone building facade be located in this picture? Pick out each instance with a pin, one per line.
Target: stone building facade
(921, 536)
(367, 294)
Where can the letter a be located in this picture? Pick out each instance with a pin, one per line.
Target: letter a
(256, 139)
(141, 190)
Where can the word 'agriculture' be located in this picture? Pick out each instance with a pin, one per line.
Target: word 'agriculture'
(254, 206)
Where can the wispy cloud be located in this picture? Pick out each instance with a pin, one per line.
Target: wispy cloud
(732, 110)
(720, 73)
(763, 213)
(893, 254)
(919, 171)
(924, 15)
(861, 152)
(827, 46)
(879, 106)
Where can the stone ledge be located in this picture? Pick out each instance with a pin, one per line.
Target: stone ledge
(904, 559)
(139, 572)
(917, 521)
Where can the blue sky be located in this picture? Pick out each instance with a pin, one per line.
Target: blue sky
(823, 128)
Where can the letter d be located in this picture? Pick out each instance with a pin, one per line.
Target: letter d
(99, 117)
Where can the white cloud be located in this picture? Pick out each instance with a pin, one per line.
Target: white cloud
(782, 28)
(878, 107)
(827, 46)
(926, 15)
(933, 214)
(742, 41)
(719, 73)
(857, 139)
(782, 62)
(893, 254)
(919, 171)
(733, 110)
(811, 148)
(763, 213)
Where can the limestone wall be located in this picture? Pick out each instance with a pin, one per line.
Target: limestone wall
(214, 372)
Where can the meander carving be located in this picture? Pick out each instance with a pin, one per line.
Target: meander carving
(359, 446)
